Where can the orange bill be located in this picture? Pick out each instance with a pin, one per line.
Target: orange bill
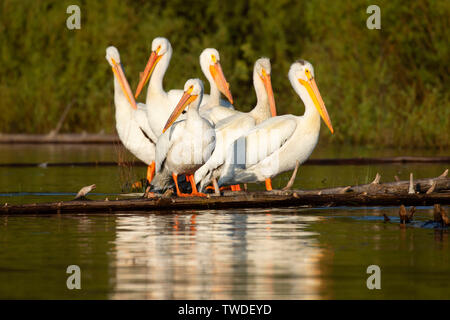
(221, 82)
(268, 85)
(314, 93)
(185, 100)
(118, 72)
(145, 76)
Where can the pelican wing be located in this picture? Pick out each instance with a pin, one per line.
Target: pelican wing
(267, 138)
(258, 145)
(165, 142)
(142, 120)
(217, 113)
(227, 131)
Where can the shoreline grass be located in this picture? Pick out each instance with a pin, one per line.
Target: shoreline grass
(387, 87)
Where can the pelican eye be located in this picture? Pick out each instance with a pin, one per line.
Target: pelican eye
(308, 74)
(213, 58)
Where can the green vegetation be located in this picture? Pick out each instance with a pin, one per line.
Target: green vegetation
(381, 87)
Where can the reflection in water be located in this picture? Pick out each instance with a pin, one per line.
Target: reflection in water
(253, 254)
(216, 256)
(286, 253)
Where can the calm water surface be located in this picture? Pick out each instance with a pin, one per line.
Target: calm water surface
(290, 253)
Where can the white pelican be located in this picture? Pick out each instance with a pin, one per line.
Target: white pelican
(131, 124)
(260, 113)
(239, 123)
(275, 145)
(187, 144)
(160, 104)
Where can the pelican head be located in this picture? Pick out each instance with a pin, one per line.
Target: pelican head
(210, 64)
(160, 47)
(192, 97)
(113, 58)
(262, 69)
(303, 72)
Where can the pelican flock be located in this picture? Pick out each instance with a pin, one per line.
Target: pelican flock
(203, 138)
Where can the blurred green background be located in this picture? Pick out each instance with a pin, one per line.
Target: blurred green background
(387, 87)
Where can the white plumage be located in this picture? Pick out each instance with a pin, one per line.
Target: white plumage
(238, 123)
(187, 144)
(160, 104)
(275, 145)
(132, 127)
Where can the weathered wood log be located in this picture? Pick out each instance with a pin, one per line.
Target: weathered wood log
(373, 194)
(421, 185)
(261, 199)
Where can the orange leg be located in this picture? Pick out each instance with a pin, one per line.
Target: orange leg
(236, 187)
(151, 172)
(268, 184)
(194, 187)
(136, 185)
(175, 179)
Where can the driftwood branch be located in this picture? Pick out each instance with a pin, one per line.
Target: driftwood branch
(406, 217)
(420, 185)
(250, 200)
(411, 184)
(377, 179)
(381, 194)
(440, 216)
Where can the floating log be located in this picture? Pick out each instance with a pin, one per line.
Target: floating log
(247, 200)
(421, 185)
(373, 194)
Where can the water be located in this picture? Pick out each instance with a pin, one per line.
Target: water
(289, 253)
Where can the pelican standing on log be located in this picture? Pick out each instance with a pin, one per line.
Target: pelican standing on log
(275, 145)
(185, 145)
(238, 124)
(131, 121)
